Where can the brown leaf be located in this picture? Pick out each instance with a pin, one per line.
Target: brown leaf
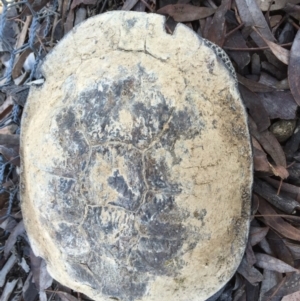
(281, 201)
(18, 66)
(271, 218)
(294, 68)
(253, 85)
(294, 249)
(129, 4)
(268, 262)
(10, 129)
(260, 161)
(236, 40)
(279, 171)
(9, 139)
(9, 224)
(290, 284)
(71, 16)
(18, 230)
(11, 154)
(279, 248)
(286, 187)
(257, 234)
(269, 143)
(185, 12)
(276, 4)
(256, 108)
(36, 5)
(281, 53)
(217, 29)
(279, 104)
(6, 107)
(293, 10)
(271, 278)
(249, 272)
(292, 297)
(251, 16)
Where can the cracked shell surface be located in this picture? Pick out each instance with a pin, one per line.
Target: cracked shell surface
(136, 163)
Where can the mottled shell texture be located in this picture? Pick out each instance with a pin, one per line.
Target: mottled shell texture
(136, 162)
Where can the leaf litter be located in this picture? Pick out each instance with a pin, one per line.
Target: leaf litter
(263, 40)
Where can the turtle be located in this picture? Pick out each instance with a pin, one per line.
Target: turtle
(136, 164)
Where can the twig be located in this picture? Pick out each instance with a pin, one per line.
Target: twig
(256, 48)
(233, 31)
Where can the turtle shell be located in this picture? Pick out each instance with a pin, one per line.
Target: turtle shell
(136, 162)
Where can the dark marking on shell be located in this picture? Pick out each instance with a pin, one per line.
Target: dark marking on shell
(66, 202)
(131, 221)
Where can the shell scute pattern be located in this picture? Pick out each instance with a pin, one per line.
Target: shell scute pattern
(131, 212)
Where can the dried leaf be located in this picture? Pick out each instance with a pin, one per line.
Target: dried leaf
(260, 161)
(29, 291)
(10, 129)
(9, 139)
(286, 187)
(271, 278)
(36, 5)
(271, 218)
(8, 289)
(253, 85)
(236, 40)
(279, 248)
(279, 104)
(251, 259)
(294, 249)
(268, 262)
(268, 80)
(71, 16)
(293, 10)
(252, 291)
(6, 268)
(19, 64)
(294, 68)
(249, 272)
(41, 277)
(276, 4)
(279, 171)
(292, 297)
(252, 16)
(64, 295)
(18, 230)
(257, 234)
(217, 29)
(9, 30)
(281, 53)
(9, 224)
(11, 154)
(129, 4)
(185, 12)
(269, 143)
(281, 201)
(275, 20)
(256, 108)
(6, 107)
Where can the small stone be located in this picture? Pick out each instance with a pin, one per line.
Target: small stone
(283, 129)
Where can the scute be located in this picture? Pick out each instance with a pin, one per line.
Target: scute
(138, 169)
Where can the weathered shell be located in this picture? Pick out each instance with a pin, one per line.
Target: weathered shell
(136, 162)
